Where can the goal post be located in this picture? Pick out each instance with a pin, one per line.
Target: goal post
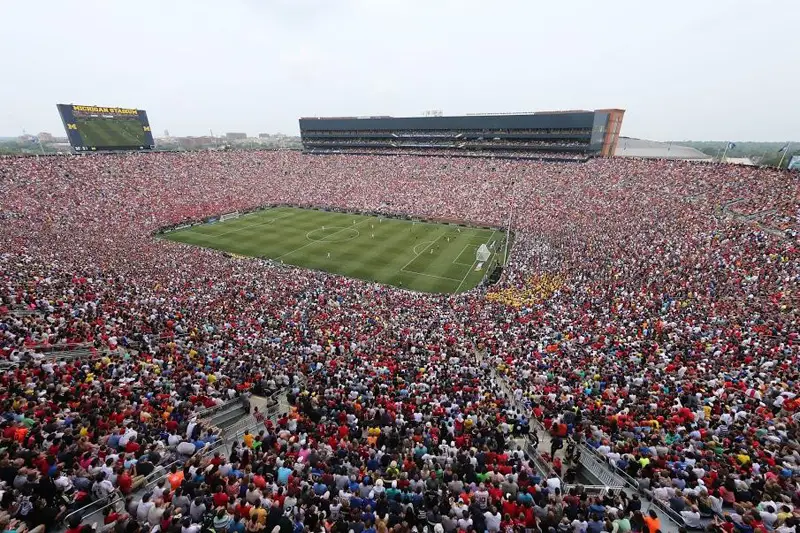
(483, 254)
(229, 216)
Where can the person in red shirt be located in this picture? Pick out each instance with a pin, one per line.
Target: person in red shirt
(124, 481)
(220, 498)
(111, 516)
(509, 507)
(132, 446)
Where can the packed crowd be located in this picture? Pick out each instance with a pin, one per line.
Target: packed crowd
(641, 313)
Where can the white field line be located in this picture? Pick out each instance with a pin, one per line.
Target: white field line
(428, 275)
(268, 221)
(422, 252)
(456, 262)
(473, 264)
(317, 242)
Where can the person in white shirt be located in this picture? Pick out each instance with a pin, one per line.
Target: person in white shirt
(554, 483)
(579, 526)
(62, 482)
(492, 519)
(481, 496)
(465, 522)
(769, 517)
(173, 440)
(143, 509)
(691, 518)
(190, 428)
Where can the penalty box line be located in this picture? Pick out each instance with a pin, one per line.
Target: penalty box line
(427, 275)
(456, 260)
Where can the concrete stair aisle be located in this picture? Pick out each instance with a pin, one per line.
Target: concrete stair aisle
(594, 469)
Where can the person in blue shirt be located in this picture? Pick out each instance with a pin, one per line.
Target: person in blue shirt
(283, 475)
(237, 526)
(372, 464)
(596, 525)
(368, 527)
(597, 509)
(320, 488)
(113, 441)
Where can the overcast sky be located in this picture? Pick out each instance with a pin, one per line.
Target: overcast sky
(697, 69)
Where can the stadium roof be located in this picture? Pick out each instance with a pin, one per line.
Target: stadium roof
(630, 147)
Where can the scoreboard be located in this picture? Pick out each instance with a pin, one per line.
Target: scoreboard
(95, 128)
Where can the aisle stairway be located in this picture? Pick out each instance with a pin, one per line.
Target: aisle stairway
(231, 416)
(596, 475)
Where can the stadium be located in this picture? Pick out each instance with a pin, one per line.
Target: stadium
(568, 135)
(441, 323)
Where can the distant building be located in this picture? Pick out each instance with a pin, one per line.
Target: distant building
(264, 135)
(746, 161)
(630, 147)
(45, 137)
(166, 133)
(235, 136)
(193, 143)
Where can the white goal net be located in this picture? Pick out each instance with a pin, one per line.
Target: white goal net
(229, 216)
(483, 254)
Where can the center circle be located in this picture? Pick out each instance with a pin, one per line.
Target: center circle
(332, 234)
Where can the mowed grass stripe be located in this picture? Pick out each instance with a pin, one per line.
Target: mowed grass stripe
(296, 236)
(441, 261)
(391, 241)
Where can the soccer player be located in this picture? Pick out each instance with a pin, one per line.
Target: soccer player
(372, 235)
(329, 255)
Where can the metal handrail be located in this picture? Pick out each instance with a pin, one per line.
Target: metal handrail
(159, 468)
(589, 461)
(202, 453)
(64, 347)
(55, 356)
(164, 471)
(206, 413)
(671, 513)
(626, 478)
(273, 413)
(244, 422)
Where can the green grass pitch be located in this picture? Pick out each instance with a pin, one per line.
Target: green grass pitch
(420, 256)
(111, 132)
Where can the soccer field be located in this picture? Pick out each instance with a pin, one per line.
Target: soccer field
(111, 132)
(419, 256)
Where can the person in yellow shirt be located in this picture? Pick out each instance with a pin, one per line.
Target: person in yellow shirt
(247, 438)
(259, 512)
